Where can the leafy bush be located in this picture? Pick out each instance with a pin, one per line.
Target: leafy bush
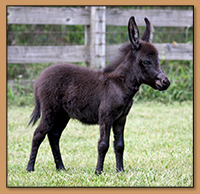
(180, 74)
(18, 93)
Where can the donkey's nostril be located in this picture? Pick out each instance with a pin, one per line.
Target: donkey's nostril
(162, 82)
(165, 81)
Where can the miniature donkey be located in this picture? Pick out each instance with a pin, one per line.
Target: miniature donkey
(103, 97)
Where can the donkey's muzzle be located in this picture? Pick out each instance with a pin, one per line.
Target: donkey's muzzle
(162, 82)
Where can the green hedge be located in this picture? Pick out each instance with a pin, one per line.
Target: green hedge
(180, 74)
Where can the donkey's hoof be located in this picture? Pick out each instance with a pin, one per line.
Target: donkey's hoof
(29, 169)
(60, 169)
(98, 172)
(120, 171)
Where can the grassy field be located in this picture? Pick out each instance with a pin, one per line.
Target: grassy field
(158, 151)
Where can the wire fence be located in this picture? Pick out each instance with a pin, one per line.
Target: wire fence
(42, 35)
(60, 35)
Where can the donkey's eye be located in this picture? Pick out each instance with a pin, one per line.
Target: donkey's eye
(146, 63)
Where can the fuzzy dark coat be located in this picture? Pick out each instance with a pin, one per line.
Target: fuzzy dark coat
(66, 91)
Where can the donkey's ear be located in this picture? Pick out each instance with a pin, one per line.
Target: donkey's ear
(148, 33)
(133, 33)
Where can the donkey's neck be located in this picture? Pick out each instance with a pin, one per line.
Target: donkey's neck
(131, 83)
(125, 77)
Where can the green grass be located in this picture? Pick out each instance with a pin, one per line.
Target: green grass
(158, 151)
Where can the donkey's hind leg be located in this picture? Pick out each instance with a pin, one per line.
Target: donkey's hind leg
(54, 137)
(38, 137)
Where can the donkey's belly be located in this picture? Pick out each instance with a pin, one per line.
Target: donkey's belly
(86, 113)
(88, 116)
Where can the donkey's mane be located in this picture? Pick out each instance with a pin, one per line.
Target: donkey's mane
(122, 52)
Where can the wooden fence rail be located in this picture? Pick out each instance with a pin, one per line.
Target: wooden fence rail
(114, 16)
(95, 51)
(55, 54)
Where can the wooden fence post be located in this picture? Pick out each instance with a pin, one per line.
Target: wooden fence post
(87, 42)
(97, 37)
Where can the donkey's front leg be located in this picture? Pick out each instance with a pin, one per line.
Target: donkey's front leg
(118, 129)
(103, 146)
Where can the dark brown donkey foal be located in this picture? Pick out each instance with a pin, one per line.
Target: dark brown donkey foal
(65, 91)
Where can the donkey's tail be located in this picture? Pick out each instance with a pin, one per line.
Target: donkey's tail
(36, 112)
